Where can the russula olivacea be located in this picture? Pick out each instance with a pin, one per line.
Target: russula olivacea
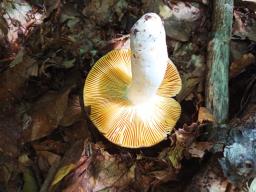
(129, 91)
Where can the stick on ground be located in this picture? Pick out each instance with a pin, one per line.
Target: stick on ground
(217, 96)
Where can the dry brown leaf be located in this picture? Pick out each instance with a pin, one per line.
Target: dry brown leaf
(50, 145)
(46, 115)
(46, 160)
(9, 133)
(12, 81)
(98, 170)
(239, 65)
(198, 149)
(253, 1)
(188, 86)
(105, 171)
(77, 131)
(72, 160)
(49, 157)
(244, 25)
(18, 17)
(151, 172)
(204, 115)
(72, 113)
(180, 18)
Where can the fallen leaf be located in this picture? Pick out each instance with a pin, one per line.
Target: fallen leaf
(9, 132)
(72, 113)
(18, 18)
(253, 1)
(3, 26)
(69, 162)
(98, 170)
(62, 172)
(204, 115)
(78, 131)
(239, 65)
(244, 24)
(151, 172)
(188, 86)
(198, 149)
(56, 147)
(30, 183)
(12, 81)
(46, 114)
(50, 157)
(19, 58)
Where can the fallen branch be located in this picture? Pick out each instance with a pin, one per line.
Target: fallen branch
(217, 100)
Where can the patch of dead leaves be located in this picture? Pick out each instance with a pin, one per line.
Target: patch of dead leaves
(46, 115)
(98, 170)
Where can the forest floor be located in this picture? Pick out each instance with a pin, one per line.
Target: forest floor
(47, 142)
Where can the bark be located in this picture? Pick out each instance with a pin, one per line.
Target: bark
(218, 60)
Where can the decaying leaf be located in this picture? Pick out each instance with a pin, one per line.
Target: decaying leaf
(253, 1)
(239, 65)
(182, 139)
(46, 159)
(186, 135)
(188, 86)
(98, 11)
(210, 178)
(244, 28)
(18, 18)
(46, 114)
(98, 170)
(194, 68)
(198, 149)
(62, 172)
(151, 172)
(19, 58)
(72, 113)
(12, 81)
(3, 26)
(69, 162)
(77, 131)
(10, 125)
(180, 19)
(204, 115)
(56, 147)
(30, 183)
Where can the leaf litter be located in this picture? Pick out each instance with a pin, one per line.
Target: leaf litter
(45, 54)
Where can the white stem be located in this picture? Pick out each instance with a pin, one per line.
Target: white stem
(149, 57)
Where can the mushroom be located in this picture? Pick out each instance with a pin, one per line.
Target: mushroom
(129, 91)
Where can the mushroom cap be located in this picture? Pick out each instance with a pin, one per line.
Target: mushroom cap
(120, 121)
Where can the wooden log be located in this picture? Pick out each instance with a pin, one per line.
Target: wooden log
(217, 95)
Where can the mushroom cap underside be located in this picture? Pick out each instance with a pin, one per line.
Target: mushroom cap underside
(120, 121)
